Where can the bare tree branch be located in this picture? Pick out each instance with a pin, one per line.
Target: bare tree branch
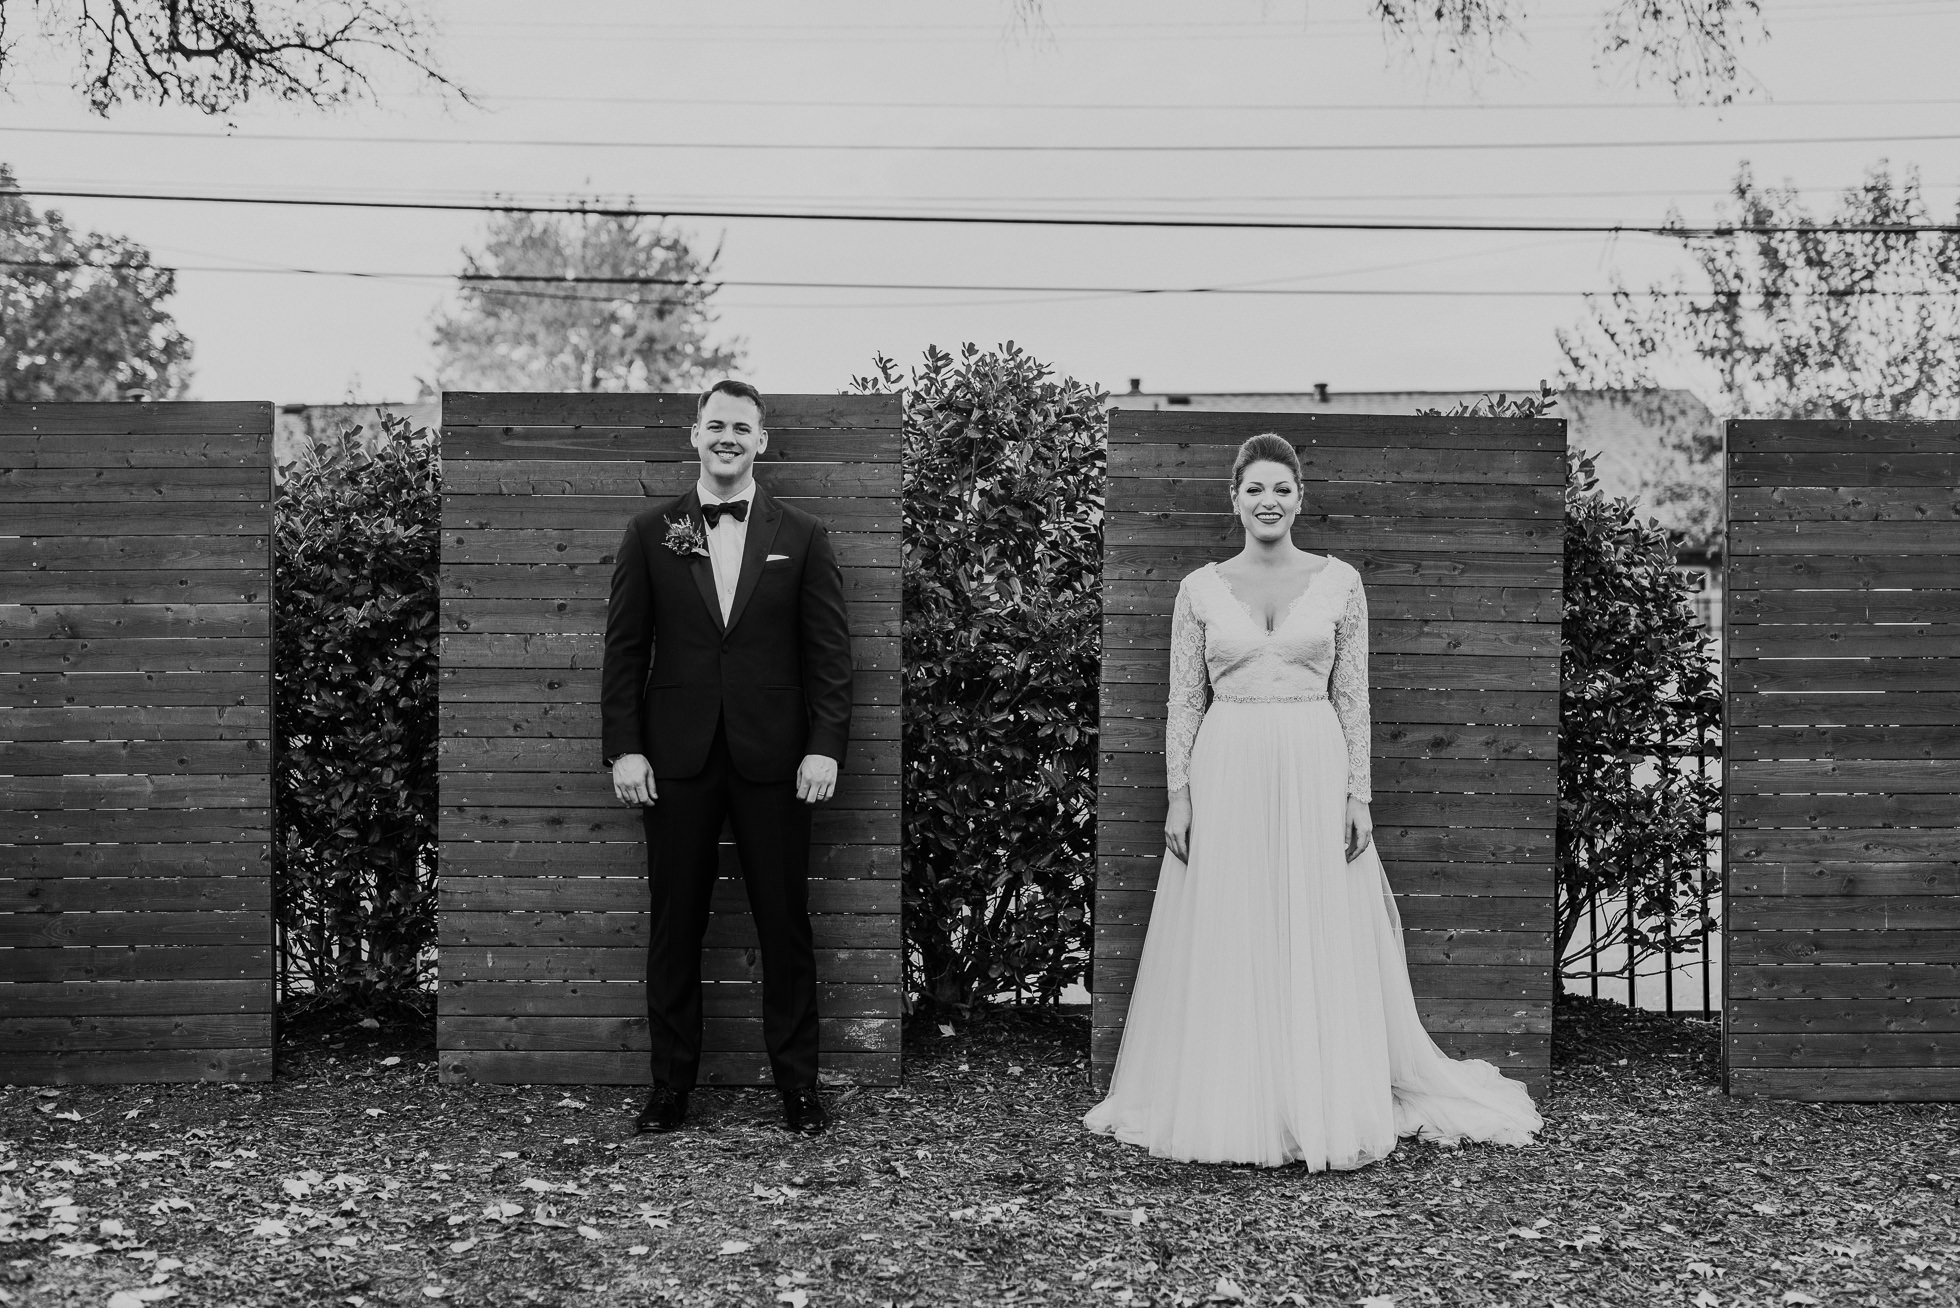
(1692, 45)
(214, 55)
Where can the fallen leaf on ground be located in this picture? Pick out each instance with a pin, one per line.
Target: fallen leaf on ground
(733, 1247)
(138, 1297)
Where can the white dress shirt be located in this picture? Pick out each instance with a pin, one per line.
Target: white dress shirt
(725, 541)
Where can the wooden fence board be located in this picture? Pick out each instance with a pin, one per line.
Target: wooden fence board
(1860, 468)
(1457, 529)
(1813, 539)
(1842, 679)
(135, 742)
(244, 485)
(1849, 1084)
(84, 555)
(138, 998)
(1864, 570)
(137, 1066)
(1862, 1016)
(1815, 504)
(543, 925)
(188, 586)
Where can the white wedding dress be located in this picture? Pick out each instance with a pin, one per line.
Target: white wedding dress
(1272, 1019)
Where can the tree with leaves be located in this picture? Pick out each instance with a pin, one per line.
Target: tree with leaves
(641, 322)
(214, 55)
(81, 314)
(1805, 320)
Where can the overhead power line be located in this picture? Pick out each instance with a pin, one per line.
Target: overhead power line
(1210, 106)
(986, 147)
(550, 284)
(1015, 220)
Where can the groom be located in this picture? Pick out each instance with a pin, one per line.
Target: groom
(726, 695)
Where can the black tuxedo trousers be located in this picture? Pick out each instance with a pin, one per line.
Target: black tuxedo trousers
(772, 842)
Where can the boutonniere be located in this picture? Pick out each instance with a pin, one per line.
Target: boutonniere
(684, 537)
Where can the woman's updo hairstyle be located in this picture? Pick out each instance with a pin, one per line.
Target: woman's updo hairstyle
(1266, 447)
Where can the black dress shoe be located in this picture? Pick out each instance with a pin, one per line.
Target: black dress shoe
(803, 1112)
(666, 1109)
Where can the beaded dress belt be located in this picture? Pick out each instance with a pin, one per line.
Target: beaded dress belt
(1306, 697)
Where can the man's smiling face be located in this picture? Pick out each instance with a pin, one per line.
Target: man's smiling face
(728, 434)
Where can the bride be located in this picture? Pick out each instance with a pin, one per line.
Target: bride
(1272, 1019)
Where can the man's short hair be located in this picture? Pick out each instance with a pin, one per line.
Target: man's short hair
(741, 390)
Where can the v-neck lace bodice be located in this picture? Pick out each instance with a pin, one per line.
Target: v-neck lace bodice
(1286, 611)
(1317, 649)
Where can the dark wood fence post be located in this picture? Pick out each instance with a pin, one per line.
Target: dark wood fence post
(135, 732)
(1457, 527)
(543, 890)
(1842, 901)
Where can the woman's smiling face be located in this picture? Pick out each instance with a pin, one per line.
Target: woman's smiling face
(1267, 499)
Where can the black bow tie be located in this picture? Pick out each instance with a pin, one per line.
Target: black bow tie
(736, 509)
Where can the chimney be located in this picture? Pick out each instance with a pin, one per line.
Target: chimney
(1320, 391)
(1136, 385)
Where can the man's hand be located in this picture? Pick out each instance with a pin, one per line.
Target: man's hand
(816, 779)
(633, 780)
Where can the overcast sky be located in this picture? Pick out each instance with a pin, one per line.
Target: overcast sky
(623, 101)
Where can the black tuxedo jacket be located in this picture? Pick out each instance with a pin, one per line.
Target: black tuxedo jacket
(778, 673)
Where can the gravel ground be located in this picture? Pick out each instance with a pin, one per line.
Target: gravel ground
(356, 1179)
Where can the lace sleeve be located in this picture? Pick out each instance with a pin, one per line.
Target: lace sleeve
(1347, 687)
(1187, 698)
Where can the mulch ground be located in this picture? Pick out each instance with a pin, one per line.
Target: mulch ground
(355, 1178)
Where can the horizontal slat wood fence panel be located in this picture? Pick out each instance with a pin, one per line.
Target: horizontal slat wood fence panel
(543, 893)
(1457, 527)
(135, 742)
(1843, 754)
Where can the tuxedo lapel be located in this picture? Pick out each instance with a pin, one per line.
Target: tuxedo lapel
(764, 515)
(699, 564)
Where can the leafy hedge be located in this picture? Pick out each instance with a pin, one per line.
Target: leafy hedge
(1002, 572)
(357, 531)
(1639, 743)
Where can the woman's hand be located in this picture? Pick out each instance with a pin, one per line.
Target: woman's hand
(1177, 824)
(1360, 827)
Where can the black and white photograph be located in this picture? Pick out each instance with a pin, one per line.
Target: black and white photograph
(922, 653)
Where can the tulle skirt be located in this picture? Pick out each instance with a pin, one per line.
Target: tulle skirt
(1272, 1019)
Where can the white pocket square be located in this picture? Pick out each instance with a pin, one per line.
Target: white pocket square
(774, 557)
